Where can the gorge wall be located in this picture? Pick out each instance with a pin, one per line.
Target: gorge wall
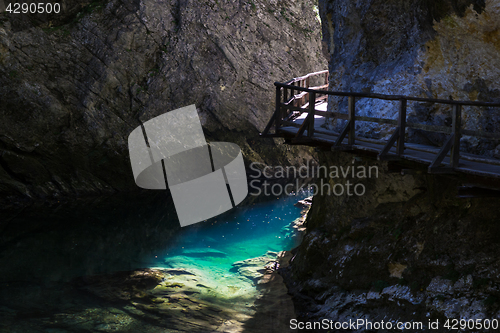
(432, 49)
(408, 249)
(73, 85)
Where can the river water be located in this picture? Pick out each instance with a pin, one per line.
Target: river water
(125, 265)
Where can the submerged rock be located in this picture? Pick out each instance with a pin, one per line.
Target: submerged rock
(254, 268)
(203, 252)
(173, 299)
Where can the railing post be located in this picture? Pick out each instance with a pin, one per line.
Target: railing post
(312, 102)
(400, 149)
(352, 115)
(303, 98)
(307, 82)
(278, 109)
(292, 94)
(457, 125)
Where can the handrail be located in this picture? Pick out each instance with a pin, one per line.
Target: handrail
(292, 103)
(386, 97)
(295, 79)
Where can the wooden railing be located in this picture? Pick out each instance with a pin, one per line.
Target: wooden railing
(287, 102)
(292, 96)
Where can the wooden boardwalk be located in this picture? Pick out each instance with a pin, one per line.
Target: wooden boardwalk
(301, 113)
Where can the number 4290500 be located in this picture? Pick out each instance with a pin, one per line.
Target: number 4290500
(33, 8)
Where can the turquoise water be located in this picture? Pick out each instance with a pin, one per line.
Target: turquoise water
(70, 262)
(246, 232)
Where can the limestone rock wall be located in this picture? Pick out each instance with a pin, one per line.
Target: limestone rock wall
(434, 49)
(407, 250)
(73, 85)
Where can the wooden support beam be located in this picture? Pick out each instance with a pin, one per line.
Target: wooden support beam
(383, 155)
(400, 149)
(377, 120)
(352, 119)
(269, 124)
(342, 135)
(433, 168)
(312, 104)
(456, 127)
(303, 127)
(278, 110)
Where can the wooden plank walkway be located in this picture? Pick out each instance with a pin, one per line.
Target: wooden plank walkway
(299, 118)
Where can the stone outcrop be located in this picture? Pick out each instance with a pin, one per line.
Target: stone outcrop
(73, 85)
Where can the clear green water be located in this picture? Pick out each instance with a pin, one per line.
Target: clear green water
(246, 232)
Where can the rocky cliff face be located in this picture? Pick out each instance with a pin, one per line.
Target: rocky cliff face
(432, 49)
(407, 249)
(73, 85)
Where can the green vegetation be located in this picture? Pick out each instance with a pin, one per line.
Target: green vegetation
(396, 233)
(379, 285)
(283, 13)
(252, 4)
(450, 22)
(316, 11)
